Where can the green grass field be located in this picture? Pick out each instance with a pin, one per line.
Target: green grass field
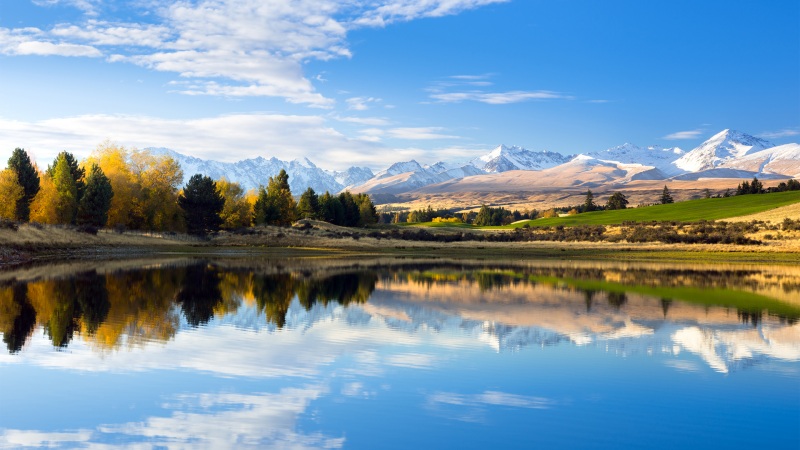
(688, 211)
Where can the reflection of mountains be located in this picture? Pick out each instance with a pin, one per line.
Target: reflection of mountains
(720, 315)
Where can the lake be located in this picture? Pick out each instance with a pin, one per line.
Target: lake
(399, 353)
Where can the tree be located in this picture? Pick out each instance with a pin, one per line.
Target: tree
(66, 190)
(367, 214)
(308, 206)
(352, 216)
(617, 201)
(201, 204)
(96, 201)
(28, 178)
(666, 197)
(43, 208)
(125, 208)
(275, 205)
(588, 204)
(331, 209)
(11, 192)
(236, 212)
(76, 171)
(157, 178)
(756, 187)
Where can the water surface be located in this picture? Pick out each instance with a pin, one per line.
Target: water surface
(234, 353)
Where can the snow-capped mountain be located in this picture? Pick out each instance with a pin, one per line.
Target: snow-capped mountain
(783, 159)
(655, 156)
(410, 175)
(251, 173)
(723, 147)
(503, 159)
(353, 176)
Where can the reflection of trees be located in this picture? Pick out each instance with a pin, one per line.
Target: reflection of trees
(343, 288)
(200, 294)
(92, 297)
(665, 304)
(588, 298)
(17, 317)
(273, 293)
(617, 299)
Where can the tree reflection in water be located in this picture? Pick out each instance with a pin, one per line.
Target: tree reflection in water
(131, 307)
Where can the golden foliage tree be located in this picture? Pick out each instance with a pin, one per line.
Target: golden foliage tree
(237, 211)
(44, 207)
(125, 206)
(11, 192)
(159, 178)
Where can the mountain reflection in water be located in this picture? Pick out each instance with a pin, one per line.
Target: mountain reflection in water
(392, 353)
(731, 318)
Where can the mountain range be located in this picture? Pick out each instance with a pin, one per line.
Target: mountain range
(727, 154)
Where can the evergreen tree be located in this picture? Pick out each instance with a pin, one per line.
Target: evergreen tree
(743, 188)
(67, 192)
(308, 206)
(331, 209)
(666, 197)
(201, 204)
(352, 216)
(588, 204)
(96, 201)
(275, 205)
(366, 210)
(617, 201)
(756, 187)
(75, 170)
(28, 178)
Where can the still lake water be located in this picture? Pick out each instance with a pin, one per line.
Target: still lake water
(235, 353)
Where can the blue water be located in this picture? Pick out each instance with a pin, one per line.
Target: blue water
(433, 364)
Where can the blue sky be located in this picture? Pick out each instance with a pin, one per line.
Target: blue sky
(362, 82)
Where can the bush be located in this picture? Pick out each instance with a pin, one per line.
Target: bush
(6, 224)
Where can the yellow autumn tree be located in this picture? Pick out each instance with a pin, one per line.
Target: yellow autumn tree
(125, 207)
(44, 207)
(237, 211)
(10, 191)
(159, 178)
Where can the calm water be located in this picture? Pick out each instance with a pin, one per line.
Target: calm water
(237, 353)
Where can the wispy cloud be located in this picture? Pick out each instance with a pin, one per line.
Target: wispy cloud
(787, 132)
(369, 121)
(690, 134)
(498, 98)
(419, 133)
(361, 103)
(239, 47)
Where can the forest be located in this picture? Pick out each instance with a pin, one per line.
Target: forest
(127, 189)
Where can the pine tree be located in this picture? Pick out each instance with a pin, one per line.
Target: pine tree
(67, 198)
(308, 206)
(275, 205)
(366, 210)
(756, 187)
(588, 204)
(75, 170)
(96, 201)
(28, 178)
(201, 204)
(666, 197)
(617, 201)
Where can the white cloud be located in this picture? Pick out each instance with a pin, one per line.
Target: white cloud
(29, 41)
(787, 132)
(497, 98)
(691, 134)
(224, 138)
(370, 121)
(361, 103)
(418, 133)
(42, 439)
(260, 46)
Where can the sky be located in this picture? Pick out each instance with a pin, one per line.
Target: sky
(372, 82)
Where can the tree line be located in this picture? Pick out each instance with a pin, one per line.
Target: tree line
(138, 190)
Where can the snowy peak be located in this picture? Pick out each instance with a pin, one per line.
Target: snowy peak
(503, 159)
(725, 146)
(653, 156)
(353, 176)
(400, 167)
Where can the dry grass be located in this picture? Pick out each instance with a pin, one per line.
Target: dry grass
(773, 215)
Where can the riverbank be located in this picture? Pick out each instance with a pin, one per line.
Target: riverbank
(29, 244)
